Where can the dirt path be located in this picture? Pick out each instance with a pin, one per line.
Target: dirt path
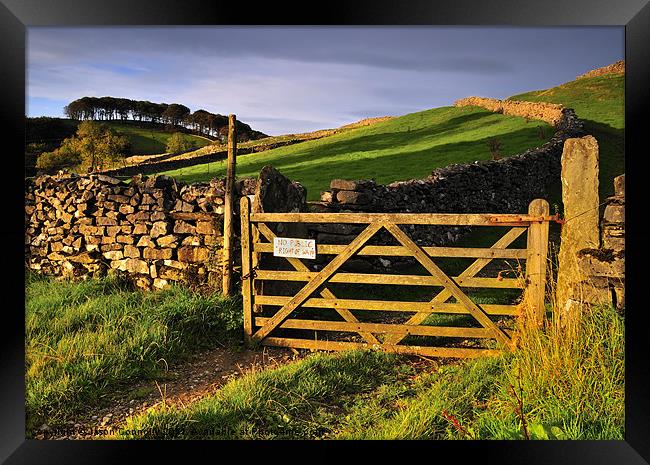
(184, 384)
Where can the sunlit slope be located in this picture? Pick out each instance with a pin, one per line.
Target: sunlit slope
(600, 103)
(599, 99)
(145, 141)
(406, 147)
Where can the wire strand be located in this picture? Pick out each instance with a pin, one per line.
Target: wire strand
(586, 211)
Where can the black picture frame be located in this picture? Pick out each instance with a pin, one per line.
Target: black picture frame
(16, 15)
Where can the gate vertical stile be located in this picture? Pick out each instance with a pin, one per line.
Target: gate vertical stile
(246, 275)
(537, 245)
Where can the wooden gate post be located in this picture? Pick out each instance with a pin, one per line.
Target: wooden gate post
(246, 278)
(536, 260)
(227, 210)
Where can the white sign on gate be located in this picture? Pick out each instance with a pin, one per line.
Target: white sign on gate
(293, 247)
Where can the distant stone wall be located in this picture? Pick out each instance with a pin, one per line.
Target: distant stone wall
(550, 112)
(507, 185)
(164, 164)
(614, 68)
(154, 229)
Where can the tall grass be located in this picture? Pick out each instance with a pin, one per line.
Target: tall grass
(566, 382)
(82, 340)
(438, 404)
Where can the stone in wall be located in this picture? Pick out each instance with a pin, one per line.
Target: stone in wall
(274, 192)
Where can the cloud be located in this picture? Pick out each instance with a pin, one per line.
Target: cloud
(289, 79)
(387, 48)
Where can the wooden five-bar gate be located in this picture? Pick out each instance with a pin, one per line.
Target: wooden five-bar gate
(267, 315)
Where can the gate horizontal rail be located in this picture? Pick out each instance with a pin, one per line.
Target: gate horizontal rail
(442, 219)
(439, 331)
(389, 305)
(397, 279)
(399, 251)
(261, 323)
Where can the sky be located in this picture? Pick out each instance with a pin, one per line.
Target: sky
(284, 80)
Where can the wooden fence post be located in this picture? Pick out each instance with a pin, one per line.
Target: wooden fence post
(227, 210)
(246, 278)
(536, 260)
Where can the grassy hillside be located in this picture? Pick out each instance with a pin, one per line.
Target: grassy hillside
(266, 143)
(600, 103)
(412, 145)
(145, 139)
(402, 148)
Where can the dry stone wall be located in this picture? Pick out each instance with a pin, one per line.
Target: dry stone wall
(604, 266)
(153, 229)
(506, 185)
(614, 68)
(552, 113)
(170, 163)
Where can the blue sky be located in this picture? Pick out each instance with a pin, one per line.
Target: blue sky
(293, 79)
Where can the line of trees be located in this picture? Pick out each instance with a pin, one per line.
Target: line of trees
(174, 115)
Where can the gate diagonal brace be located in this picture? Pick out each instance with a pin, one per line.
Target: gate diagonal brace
(469, 272)
(449, 284)
(325, 293)
(319, 279)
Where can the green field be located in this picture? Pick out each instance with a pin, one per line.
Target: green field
(407, 147)
(600, 103)
(147, 139)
